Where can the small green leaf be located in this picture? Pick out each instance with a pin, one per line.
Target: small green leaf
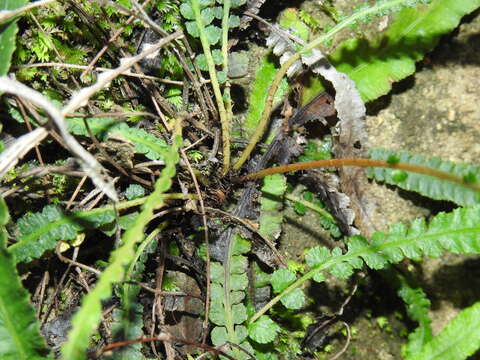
(393, 159)
(192, 28)
(222, 77)
(219, 335)
(317, 255)
(237, 3)
(201, 61)
(236, 297)
(241, 333)
(319, 277)
(281, 278)
(217, 56)
(399, 176)
(239, 312)
(208, 15)
(217, 310)
(299, 208)
(205, 3)
(264, 330)
(238, 281)
(213, 34)
(241, 246)
(134, 191)
(151, 146)
(218, 12)
(217, 314)
(216, 273)
(233, 21)
(342, 270)
(238, 265)
(187, 11)
(293, 300)
(470, 178)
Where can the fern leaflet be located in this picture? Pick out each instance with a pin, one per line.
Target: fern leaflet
(431, 187)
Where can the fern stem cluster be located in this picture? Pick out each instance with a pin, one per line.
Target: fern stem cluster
(225, 124)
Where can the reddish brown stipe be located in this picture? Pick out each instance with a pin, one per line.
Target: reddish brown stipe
(362, 163)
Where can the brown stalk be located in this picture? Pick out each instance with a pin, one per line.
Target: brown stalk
(361, 163)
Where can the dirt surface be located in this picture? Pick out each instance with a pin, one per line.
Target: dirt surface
(433, 113)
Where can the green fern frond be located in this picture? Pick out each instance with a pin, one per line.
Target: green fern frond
(7, 36)
(271, 203)
(264, 76)
(375, 65)
(418, 307)
(458, 232)
(227, 310)
(145, 143)
(425, 185)
(20, 337)
(40, 232)
(128, 320)
(459, 340)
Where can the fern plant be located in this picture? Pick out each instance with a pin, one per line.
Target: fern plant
(238, 330)
(228, 292)
(209, 34)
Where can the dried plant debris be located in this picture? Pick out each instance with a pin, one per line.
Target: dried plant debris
(283, 44)
(327, 186)
(350, 137)
(348, 103)
(253, 7)
(350, 129)
(90, 165)
(17, 148)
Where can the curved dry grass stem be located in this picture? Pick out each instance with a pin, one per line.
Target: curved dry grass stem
(7, 14)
